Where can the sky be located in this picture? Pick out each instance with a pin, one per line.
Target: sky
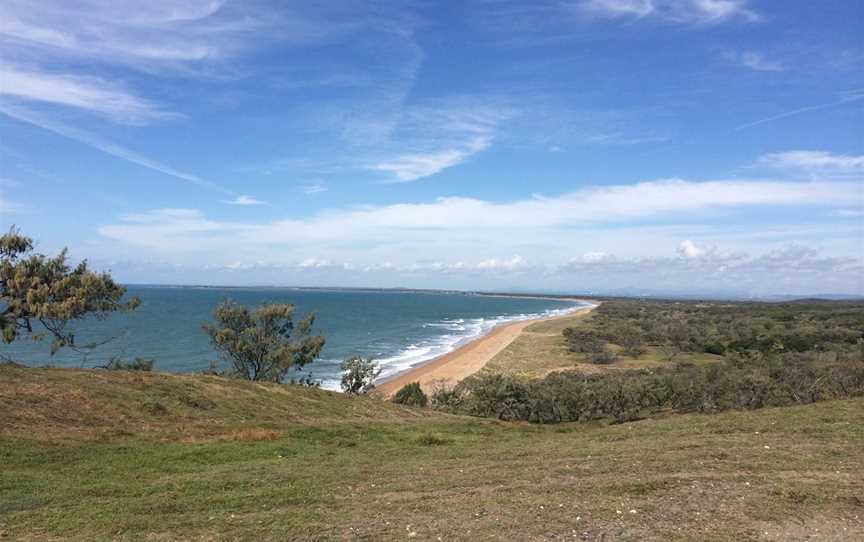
(587, 145)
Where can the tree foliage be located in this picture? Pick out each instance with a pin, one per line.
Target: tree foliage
(265, 343)
(358, 375)
(36, 290)
(412, 395)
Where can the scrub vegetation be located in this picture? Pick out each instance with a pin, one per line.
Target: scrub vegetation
(763, 355)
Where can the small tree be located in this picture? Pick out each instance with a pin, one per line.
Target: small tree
(411, 395)
(358, 375)
(38, 290)
(263, 344)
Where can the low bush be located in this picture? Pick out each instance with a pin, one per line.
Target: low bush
(604, 357)
(429, 439)
(446, 398)
(743, 382)
(137, 364)
(583, 341)
(411, 395)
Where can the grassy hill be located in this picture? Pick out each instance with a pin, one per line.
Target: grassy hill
(113, 455)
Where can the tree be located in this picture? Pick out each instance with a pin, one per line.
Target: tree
(358, 375)
(411, 395)
(38, 290)
(676, 340)
(263, 344)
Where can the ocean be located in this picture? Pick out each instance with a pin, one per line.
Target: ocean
(399, 329)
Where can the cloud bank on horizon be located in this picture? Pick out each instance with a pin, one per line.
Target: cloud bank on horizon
(675, 145)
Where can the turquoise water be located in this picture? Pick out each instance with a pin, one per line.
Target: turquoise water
(399, 329)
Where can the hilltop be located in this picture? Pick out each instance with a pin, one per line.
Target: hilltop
(114, 455)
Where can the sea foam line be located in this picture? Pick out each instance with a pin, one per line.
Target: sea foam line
(459, 332)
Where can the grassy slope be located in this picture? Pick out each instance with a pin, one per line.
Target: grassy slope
(544, 349)
(89, 455)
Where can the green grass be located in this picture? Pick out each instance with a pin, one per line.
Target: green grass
(230, 460)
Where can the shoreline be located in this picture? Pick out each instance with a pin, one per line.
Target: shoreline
(450, 368)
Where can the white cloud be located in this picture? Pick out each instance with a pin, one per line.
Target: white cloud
(813, 160)
(689, 249)
(410, 167)
(495, 223)
(619, 8)
(86, 93)
(494, 264)
(681, 11)
(244, 200)
(593, 258)
(754, 61)
(789, 270)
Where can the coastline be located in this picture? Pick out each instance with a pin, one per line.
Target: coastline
(448, 369)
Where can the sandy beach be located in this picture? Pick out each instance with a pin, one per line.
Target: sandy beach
(465, 360)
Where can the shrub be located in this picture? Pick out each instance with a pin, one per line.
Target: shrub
(496, 396)
(746, 382)
(137, 364)
(604, 357)
(429, 439)
(714, 348)
(411, 395)
(444, 397)
(583, 341)
(358, 375)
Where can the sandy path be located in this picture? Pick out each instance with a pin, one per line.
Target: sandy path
(465, 360)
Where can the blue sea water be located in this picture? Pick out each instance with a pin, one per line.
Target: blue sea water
(399, 329)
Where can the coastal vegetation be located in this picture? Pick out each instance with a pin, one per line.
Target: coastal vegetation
(764, 355)
(412, 395)
(263, 343)
(358, 375)
(41, 295)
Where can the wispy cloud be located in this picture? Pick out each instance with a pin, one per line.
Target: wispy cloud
(680, 11)
(851, 97)
(315, 187)
(86, 93)
(244, 200)
(140, 35)
(813, 160)
(410, 167)
(619, 8)
(432, 137)
(754, 61)
(26, 115)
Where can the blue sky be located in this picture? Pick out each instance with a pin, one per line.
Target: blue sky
(677, 145)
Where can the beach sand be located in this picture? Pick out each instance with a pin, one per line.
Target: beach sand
(464, 361)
